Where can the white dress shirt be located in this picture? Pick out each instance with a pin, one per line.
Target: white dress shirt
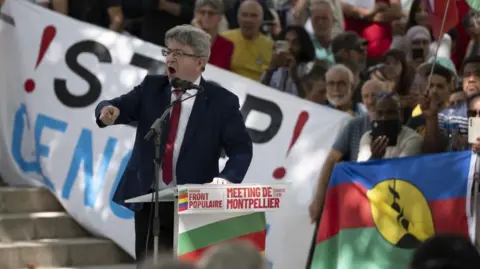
(409, 143)
(185, 112)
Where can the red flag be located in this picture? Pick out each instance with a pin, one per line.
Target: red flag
(436, 10)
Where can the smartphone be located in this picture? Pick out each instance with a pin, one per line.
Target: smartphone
(281, 45)
(417, 54)
(388, 128)
(473, 129)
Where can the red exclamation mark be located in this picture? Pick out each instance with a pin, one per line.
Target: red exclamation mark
(280, 172)
(47, 37)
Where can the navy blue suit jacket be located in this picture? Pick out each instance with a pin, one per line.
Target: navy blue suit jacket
(215, 124)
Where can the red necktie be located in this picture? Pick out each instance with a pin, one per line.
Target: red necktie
(167, 162)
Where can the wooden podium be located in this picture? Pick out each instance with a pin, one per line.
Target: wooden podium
(208, 214)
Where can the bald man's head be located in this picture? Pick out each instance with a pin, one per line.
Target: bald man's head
(250, 17)
(370, 89)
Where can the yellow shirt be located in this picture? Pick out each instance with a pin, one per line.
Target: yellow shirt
(250, 57)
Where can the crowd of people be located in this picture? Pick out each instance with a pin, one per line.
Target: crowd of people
(408, 92)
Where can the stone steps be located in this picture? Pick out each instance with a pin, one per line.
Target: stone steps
(36, 230)
(39, 225)
(27, 200)
(61, 252)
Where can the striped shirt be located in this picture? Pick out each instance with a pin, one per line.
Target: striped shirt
(454, 119)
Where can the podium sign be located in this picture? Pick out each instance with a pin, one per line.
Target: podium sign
(209, 215)
(197, 199)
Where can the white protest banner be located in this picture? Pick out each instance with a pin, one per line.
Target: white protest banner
(53, 72)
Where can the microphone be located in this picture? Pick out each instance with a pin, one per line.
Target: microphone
(185, 85)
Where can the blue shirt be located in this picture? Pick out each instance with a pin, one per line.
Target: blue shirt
(454, 119)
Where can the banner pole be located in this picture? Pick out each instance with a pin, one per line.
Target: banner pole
(313, 243)
(439, 42)
(476, 181)
(175, 223)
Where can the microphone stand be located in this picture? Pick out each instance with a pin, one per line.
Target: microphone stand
(156, 131)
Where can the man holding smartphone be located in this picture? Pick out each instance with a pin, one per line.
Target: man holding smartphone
(389, 138)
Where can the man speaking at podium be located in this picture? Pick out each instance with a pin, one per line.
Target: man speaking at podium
(198, 130)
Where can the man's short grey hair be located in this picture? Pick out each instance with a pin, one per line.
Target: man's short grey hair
(341, 68)
(216, 4)
(191, 36)
(235, 255)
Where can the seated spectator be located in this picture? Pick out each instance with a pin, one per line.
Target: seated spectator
(418, 15)
(346, 146)
(232, 12)
(338, 20)
(446, 252)
(235, 255)
(208, 14)
(162, 15)
(322, 22)
(396, 74)
(443, 59)
(439, 93)
(105, 13)
(417, 46)
(314, 84)
(471, 23)
(471, 75)
(455, 135)
(340, 87)
(288, 66)
(388, 113)
(349, 49)
(253, 50)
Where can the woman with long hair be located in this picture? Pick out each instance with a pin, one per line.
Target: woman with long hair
(293, 58)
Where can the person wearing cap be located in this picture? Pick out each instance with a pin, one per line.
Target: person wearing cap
(207, 16)
(350, 49)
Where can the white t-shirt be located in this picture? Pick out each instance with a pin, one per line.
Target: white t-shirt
(409, 143)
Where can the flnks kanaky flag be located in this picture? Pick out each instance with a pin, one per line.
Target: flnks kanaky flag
(376, 213)
(436, 10)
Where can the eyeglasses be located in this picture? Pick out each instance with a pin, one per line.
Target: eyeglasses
(178, 53)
